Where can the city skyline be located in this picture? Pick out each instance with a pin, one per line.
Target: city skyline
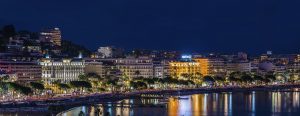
(202, 26)
(149, 57)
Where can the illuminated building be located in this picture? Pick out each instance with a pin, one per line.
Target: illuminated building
(203, 62)
(24, 71)
(186, 58)
(64, 70)
(33, 48)
(239, 66)
(180, 68)
(135, 67)
(100, 67)
(264, 57)
(294, 69)
(211, 66)
(161, 69)
(158, 71)
(130, 66)
(109, 52)
(15, 45)
(51, 36)
(279, 69)
(93, 66)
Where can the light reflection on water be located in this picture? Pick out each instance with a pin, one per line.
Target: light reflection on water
(228, 104)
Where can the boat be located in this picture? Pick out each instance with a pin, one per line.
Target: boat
(163, 101)
(181, 98)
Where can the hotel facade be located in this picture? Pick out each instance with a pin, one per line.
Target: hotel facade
(135, 67)
(64, 70)
(180, 69)
(24, 71)
(211, 66)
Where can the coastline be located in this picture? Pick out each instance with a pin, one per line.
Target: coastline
(55, 104)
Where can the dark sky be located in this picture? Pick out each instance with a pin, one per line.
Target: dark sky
(252, 26)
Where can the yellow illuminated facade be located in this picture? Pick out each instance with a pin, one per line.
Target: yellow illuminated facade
(178, 69)
(211, 66)
(203, 62)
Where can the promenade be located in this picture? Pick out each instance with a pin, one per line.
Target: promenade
(96, 98)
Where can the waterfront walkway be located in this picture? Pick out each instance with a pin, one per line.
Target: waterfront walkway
(90, 99)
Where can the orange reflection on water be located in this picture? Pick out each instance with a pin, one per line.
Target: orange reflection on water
(194, 106)
(199, 104)
(173, 105)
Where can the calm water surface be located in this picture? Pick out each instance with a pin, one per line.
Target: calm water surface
(212, 104)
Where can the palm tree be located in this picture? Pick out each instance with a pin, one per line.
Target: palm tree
(269, 78)
(258, 79)
(185, 75)
(63, 86)
(94, 78)
(80, 84)
(3, 84)
(126, 80)
(208, 80)
(286, 76)
(25, 90)
(83, 77)
(55, 84)
(137, 73)
(112, 83)
(197, 77)
(219, 79)
(246, 78)
(138, 85)
(37, 87)
(233, 79)
(14, 87)
(2, 88)
(148, 81)
(167, 81)
(4, 78)
(293, 78)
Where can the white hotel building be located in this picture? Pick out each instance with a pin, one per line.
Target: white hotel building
(65, 70)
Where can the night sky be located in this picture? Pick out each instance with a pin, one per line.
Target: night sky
(226, 26)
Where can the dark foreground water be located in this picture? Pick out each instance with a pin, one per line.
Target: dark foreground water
(228, 104)
(285, 103)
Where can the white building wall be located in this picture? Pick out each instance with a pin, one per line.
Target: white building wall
(65, 70)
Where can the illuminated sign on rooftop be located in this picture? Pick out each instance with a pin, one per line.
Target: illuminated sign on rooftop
(186, 57)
